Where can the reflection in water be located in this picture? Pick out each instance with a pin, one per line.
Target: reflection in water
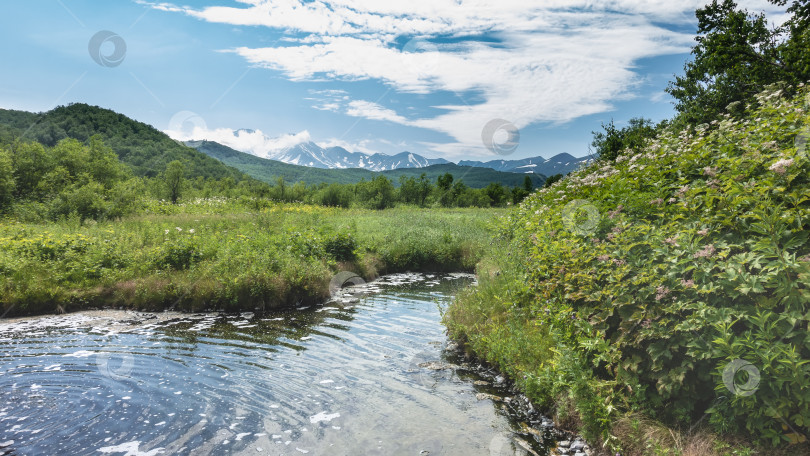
(366, 378)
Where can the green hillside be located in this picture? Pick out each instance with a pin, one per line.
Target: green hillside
(269, 170)
(144, 148)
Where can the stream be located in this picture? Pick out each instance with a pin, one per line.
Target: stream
(371, 373)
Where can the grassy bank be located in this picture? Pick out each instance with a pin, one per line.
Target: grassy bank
(659, 303)
(226, 254)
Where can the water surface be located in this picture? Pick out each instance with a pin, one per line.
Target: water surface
(370, 377)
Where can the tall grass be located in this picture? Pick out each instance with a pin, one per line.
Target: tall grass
(225, 254)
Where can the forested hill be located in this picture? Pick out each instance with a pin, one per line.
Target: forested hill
(144, 148)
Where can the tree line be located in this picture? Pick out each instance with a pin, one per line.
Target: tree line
(87, 180)
(736, 56)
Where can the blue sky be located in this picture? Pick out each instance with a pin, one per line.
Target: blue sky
(370, 75)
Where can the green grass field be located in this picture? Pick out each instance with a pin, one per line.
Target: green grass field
(221, 254)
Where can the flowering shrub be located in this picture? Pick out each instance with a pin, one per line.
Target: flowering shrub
(693, 266)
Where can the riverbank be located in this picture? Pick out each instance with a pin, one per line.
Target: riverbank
(658, 302)
(219, 254)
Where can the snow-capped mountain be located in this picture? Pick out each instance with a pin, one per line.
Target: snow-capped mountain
(304, 154)
(311, 154)
(558, 164)
(298, 149)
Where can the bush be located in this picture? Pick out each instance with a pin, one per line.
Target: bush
(334, 195)
(679, 275)
(341, 246)
(179, 253)
(6, 181)
(86, 201)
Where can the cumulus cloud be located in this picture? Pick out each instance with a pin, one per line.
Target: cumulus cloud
(547, 61)
(251, 141)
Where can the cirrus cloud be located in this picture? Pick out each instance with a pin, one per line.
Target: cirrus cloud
(548, 61)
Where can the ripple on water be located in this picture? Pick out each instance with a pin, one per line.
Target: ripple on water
(321, 380)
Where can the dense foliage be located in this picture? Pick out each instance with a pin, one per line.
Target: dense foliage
(611, 142)
(737, 54)
(145, 149)
(674, 281)
(88, 182)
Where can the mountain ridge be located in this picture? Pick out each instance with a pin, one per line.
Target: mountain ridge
(562, 163)
(268, 170)
(311, 154)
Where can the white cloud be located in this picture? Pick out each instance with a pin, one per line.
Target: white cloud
(554, 60)
(251, 141)
(363, 146)
(334, 107)
(369, 110)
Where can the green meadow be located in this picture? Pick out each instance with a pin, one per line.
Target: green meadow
(218, 253)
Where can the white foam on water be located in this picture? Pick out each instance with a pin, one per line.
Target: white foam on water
(323, 416)
(80, 354)
(130, 449)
